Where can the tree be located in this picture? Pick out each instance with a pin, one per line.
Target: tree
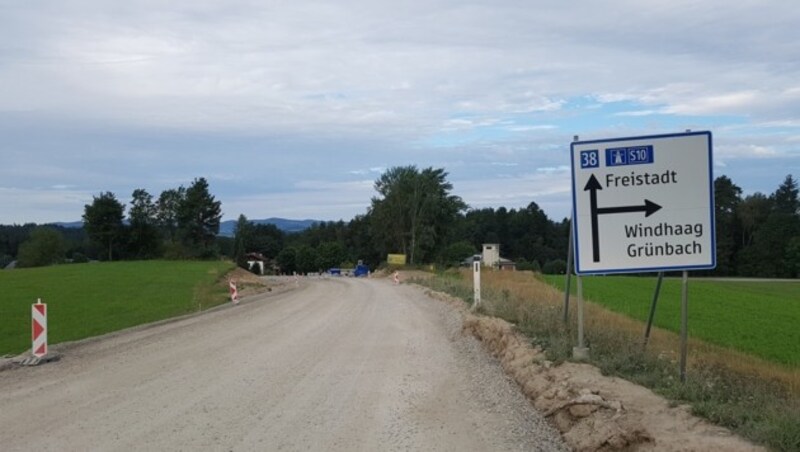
(793, 257)
(778, 234)
(307, 259)
(727, 197)
(266, 239)
(455, 253)
(44, 247)
(752, 212)
(331, 254)
(167, 211)
(143, 233)
(771, 254)
(102, 220)
(199, 215)
(287, 260)
(241, 237)
(414, 211)
(358, 242)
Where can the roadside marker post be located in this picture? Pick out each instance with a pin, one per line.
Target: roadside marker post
(39, 328)
(234, 292)
(476, 283)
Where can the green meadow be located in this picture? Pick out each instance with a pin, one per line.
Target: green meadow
(758, 318)
(85, 300)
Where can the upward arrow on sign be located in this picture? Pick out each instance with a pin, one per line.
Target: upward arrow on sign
(592, 186)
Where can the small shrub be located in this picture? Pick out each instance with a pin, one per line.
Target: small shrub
(79, 258)
(555, 267)
(530, 266)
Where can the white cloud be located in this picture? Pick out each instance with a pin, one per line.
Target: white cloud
(256, 95)
(41, 205)
(745, 151)
(556, 169)
(639, 113)
(531, 128)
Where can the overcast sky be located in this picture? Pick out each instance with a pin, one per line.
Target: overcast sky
(294, 108)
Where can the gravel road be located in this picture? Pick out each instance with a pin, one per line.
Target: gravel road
(338, 364)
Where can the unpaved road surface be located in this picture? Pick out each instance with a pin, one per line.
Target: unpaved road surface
(339, 364)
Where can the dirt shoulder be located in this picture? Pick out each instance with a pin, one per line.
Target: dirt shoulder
(594, 412)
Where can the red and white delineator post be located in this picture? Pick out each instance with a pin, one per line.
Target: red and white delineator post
(234, 292)
(396, 277)
(39, 328)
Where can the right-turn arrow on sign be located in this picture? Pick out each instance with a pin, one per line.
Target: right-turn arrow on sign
(643, 204)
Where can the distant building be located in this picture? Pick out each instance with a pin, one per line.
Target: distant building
(491, 254)
(256, 261)
(490, 258)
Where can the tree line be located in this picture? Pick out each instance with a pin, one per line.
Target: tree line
(757, 235)
(182, 223)
(415, 213)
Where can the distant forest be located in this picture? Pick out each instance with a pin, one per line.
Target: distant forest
(414, 213)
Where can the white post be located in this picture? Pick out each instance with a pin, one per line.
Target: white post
(476, 280)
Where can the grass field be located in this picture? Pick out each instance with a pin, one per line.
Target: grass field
(86, 300)
(759, 318)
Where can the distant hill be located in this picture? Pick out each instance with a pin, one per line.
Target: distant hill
(227, 228)
(70, 224)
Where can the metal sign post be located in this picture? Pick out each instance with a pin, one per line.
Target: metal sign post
(567, 286)
(580, 352)
(684, 323)
(652, 309)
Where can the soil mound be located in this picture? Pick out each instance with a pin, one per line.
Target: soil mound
(594, 412)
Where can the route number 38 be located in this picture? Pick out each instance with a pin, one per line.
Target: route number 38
(590, 159)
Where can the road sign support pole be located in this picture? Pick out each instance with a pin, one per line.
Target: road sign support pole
(568, 276)
(684, 322)
(581, 352)
(567, 283)
(652, 310)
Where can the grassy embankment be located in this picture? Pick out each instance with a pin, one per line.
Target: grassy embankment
(754, 390)
(87, 300)
(758, 318)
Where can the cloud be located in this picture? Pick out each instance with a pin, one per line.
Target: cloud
(557, 169)
(746, 151)
(42, 205)
(259, 96)
(314, 199)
